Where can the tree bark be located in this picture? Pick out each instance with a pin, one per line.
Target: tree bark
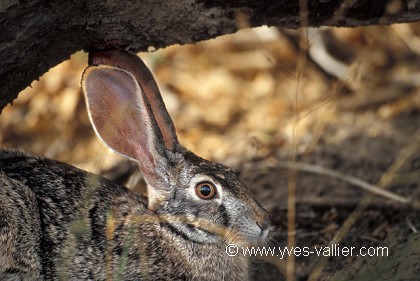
(35, 35)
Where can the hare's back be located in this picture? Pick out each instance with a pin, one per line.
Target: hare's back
(20, 232)
(60, 189)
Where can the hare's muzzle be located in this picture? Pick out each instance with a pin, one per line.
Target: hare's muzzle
(264, 225)
(259, 222)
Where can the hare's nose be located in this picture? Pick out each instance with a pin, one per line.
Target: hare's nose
(264, 225)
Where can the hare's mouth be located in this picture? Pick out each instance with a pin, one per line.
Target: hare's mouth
(251, 234)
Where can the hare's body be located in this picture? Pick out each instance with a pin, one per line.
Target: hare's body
(90, 229)
(60, 223)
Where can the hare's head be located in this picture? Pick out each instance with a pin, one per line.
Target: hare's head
(197, 199)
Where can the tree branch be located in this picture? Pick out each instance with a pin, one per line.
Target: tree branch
(36, 35)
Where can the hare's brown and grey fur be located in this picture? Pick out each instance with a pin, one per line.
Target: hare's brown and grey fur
(58, 222)
(60, 218)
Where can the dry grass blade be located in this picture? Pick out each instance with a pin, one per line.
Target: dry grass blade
(291, 186)
(355, 181)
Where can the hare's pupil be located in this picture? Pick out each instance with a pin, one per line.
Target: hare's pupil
(205, 190)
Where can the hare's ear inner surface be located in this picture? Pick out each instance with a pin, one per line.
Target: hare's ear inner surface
(123, 119)
(132, 63)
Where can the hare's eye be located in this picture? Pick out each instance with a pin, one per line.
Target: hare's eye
(205, 190)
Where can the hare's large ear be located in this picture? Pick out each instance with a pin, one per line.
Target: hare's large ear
(128, 113)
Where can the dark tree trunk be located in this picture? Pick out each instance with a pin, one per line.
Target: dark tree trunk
(36, 35)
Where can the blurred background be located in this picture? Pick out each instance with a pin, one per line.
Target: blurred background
(259, 100)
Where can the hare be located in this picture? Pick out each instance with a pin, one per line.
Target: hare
(58, 222)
